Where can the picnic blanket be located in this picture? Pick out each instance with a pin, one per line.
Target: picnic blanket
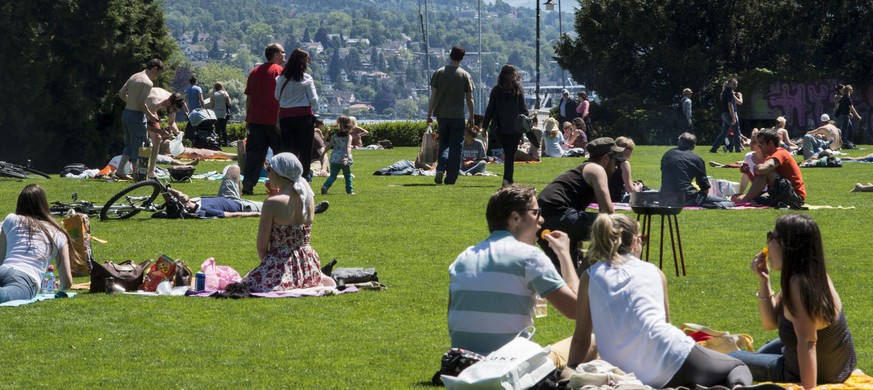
(296, 293)
(40, 297)
(741, 206)
(858, 380)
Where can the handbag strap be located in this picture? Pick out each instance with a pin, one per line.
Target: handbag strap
(283, 87)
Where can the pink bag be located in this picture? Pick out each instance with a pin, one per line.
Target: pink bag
(218, 276)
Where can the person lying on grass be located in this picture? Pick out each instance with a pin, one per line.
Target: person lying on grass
(287, 261)
(29, 240)
(228, 203)
(814, 345)
(494, 286)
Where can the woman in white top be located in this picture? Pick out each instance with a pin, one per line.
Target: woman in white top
(623, 301)
(298, 102)
(29, 240)
(220, 104)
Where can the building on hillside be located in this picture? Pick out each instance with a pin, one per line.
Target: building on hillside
(314, 48)
(359, 42)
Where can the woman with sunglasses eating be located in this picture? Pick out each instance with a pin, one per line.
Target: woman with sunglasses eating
(814, 344)
(622, 300)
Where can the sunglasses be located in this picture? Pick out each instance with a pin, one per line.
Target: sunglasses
(536, 212)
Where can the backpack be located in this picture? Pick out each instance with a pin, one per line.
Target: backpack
(680, 113)
(75, 169)
(78, 226)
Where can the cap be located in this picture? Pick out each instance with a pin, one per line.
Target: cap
(825, 118)
(565, 92)
(286, 165)
(687, 90)
(603, 145)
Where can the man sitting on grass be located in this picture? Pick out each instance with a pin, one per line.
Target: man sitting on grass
(228, 203)
(779, 173)
(493, 286)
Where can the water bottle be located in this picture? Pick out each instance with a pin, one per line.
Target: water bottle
(48, 281)
(141, 172)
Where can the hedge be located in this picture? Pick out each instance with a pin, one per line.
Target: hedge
(400, 133)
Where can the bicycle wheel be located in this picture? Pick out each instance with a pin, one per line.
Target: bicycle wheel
(130, 201)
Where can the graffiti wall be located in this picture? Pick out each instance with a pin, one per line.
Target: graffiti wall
(803, 103)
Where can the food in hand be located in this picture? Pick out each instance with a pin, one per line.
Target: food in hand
(545, 233)
(766, 253)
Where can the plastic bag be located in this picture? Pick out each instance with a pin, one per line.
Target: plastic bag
(218, 276)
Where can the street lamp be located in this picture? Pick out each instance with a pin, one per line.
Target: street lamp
(537, 104)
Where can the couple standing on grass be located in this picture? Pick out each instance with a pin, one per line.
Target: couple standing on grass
(622, 300)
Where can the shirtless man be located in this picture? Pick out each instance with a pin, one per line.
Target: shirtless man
(159, 100)
(134, 93)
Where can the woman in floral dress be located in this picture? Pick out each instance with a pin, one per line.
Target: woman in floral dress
(287, 260)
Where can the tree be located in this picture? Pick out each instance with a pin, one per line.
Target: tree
(406, 109)
(321, 36)
(261, 34)
(215, 52)
(334, 67)
(384, 98)
(78, 54)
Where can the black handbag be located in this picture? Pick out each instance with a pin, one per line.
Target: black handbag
(127, 274)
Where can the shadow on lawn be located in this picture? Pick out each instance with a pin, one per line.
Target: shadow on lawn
(438, 185)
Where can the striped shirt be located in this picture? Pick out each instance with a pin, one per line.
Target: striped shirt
(493, 289)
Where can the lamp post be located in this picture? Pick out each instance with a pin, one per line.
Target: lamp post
(550, 7)
(537, 104)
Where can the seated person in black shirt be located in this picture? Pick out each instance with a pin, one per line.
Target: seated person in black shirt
(564, 200)
(679, 166)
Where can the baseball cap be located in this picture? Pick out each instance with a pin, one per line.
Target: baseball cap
(601, 146)
(825, 117)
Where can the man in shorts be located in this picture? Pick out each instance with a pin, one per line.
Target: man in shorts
(134, 93)
(779, 173)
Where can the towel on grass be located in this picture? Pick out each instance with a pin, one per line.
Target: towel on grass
(858, 380)
(39, 297)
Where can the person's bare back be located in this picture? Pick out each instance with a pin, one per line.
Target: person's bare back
(135, 91)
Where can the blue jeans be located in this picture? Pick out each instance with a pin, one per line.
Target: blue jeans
(134, 134)
(707, 201)
(15, 285)
(726, 128)
(478, 167)
(812, 146)
(767, 364)
(844, 122)
(451, 133)
(334, 172)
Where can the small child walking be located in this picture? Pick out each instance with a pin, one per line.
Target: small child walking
(341, 156)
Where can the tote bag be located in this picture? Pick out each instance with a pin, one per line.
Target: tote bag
(520, 364)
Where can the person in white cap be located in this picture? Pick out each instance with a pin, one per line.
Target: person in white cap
(826, 136)
(685, 105)
(287, 261)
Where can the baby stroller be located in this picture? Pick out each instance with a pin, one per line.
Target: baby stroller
(203, 122)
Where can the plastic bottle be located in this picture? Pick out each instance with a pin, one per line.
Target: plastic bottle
(48, 281)
(142, 163)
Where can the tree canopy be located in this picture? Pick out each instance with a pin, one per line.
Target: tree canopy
(68, 60)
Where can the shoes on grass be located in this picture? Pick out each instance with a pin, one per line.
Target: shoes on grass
(322, 207)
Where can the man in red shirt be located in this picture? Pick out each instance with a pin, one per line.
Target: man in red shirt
(779, 173)
(262, 110)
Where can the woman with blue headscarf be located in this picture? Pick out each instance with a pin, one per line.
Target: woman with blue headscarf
(287, 260)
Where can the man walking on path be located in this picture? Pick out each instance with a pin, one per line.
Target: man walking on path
(450, 86)
(134, 93)
(685, 105)
(262, 113)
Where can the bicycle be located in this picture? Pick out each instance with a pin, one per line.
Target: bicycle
(137, 197)
(19, 171)
(80, 206)
(142, 196)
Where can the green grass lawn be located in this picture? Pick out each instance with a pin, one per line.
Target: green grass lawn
(410, 230)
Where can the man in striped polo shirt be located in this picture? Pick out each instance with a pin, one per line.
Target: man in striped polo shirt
(494, 285)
